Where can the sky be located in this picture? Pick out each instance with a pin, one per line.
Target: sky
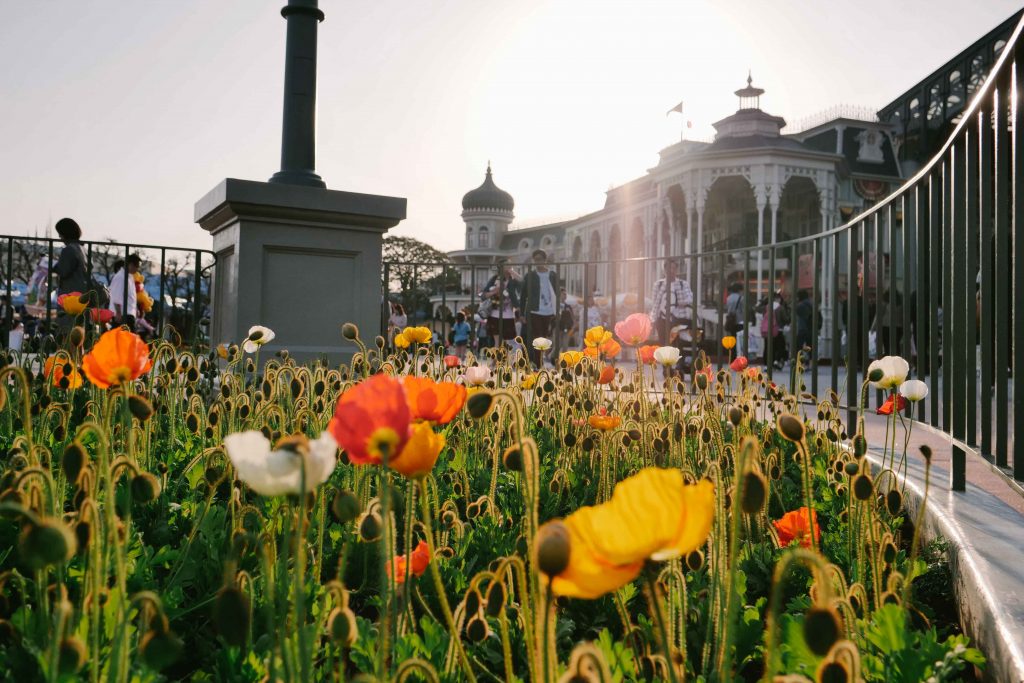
(123, 115)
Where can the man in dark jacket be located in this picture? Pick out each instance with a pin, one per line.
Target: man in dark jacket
(540, 301)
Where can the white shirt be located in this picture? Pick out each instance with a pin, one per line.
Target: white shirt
(117, 294)
(546, 304)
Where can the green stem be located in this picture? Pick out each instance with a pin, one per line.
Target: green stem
(659, 618)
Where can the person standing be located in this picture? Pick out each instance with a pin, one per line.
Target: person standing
(460, 334)
(567, 322)
(503, 291)
(672, 301)
(72, 268)
(124, 307)
(541, 301)
(803, 318)
(6, 321)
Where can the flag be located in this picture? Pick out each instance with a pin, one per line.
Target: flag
(678, 108)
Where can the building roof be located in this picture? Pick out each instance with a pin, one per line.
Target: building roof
(488, 196)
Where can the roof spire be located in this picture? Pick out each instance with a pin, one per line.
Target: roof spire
(750, 79)
(488, 167)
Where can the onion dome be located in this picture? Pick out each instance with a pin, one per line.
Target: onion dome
(488, 196)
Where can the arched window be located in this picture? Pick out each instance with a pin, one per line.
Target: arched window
(470, 238)
(524, 245)
(485, 237)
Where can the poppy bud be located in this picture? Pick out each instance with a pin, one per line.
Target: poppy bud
(48, 542)
(350, 331)
(822, 628)
(791, 428)
(192, 421)
(694, 560)
(342, 627)
(553, 548)
(145, 487)
(569, 440)
(701, 380)
(876, 375)
(735, 416)
(893, 502)
(477, 629)
(513, 459)
(926, 453)
(495, 599)
(862, 487)
(755, 488)
(71, 656)
(851, 468)
(889, 552)
(73, 461)
(83, 535)
(370, 527)
(833, 672)
(140, 408)
(479, 403)
(160, 648)
(472, 601)
(231, 615)
(76, 337)
(860, 445)
(345, 506)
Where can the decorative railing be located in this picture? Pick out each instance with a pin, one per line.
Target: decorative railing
(934, 273)
(177, 279)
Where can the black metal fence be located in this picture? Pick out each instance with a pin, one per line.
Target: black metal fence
(934, 273)
(178, 281)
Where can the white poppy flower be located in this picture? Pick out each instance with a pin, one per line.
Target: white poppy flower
(894, 372)
(541, 343)
(477, 375)
(279, 472)
(914, 390)
(666, 355)
(258, 336)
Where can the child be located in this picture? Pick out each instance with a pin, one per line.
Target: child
(460, 334)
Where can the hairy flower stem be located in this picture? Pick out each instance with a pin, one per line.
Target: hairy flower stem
(442, 597)
(723, 665)
(299, 580)
(654, 604)
(917, 533)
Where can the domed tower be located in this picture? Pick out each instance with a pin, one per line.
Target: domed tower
(487, 211)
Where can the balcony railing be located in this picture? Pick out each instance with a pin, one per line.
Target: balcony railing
(177, 279)
(934, 272)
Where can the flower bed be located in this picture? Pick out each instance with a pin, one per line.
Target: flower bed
(411, 516)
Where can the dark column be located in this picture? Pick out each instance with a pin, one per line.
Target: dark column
(298, 128)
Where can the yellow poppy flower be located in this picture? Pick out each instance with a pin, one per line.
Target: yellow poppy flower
(528, 381)
(652, 515)
(596, 336)
(418, 335)
(401, 341)
(420, 452)
(729, 342)
(571, 358)
(605, 423)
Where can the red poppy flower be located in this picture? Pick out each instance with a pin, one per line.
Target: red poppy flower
(437, 402)
(887, 407)
(118, 357)
(646, 353)
(101, 315)
(451, 361)
(794, 526)
(372, 419)
(739, 364)
(607, 375)
(418, 561)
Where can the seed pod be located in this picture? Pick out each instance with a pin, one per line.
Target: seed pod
(552, 547)
(345, 506)
(145, 487)
(479, 403)
(755, 489)
(790, 427)
(862, 487)
(71, 656)
(822, 628)
(342, 626)
(231, 615)
(73, 461)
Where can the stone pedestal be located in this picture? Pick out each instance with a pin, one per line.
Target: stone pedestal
(300, 260)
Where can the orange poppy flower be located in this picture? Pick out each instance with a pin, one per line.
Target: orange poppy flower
(739, 363)
(418, 560)
(118, 357)
(437, 402)
(372, 419)
(607, 375)
(794, 527)
(420, 452)
(646, 353)
(605, 423)
(452, 361)
(63, 374)
(899, 404)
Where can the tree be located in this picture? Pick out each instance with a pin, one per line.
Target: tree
(411, 265)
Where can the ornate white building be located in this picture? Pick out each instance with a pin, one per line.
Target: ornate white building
(752, 185)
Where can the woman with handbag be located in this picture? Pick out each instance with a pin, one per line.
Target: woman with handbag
(72, 268)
